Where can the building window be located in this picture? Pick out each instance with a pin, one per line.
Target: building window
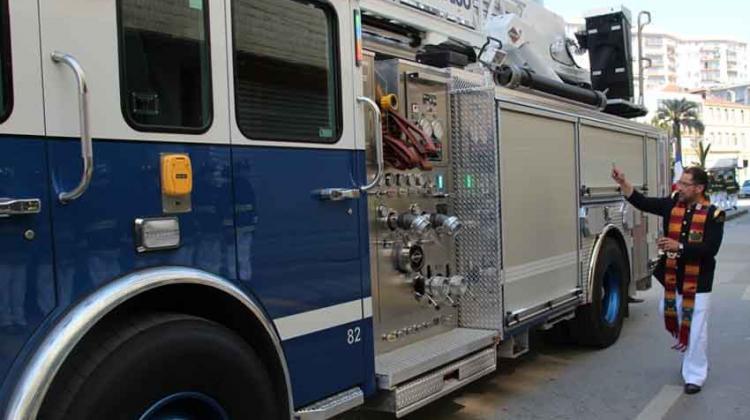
(286, 70)
(165, 65)
(6, 71)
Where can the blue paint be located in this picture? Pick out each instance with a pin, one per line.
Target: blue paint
(94, 234)
(296, 252)
(368, 346)
(254, 221)
(27, 288)
(323, 363)
(368, 358)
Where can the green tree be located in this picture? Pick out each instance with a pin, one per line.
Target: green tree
(662, 125)
(703, 150)
(679, 114)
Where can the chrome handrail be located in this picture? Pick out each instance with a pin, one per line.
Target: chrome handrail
(378, 142)
(641, 59)
(87, 152)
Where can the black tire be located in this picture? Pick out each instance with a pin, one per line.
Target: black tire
(124, 368)
(599, 323)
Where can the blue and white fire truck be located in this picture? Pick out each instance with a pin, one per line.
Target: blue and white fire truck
(215, 209)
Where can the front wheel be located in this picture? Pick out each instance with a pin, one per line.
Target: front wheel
(162, 366)
(599, 323)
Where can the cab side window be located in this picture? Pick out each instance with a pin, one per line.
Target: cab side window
(286, 70)
(6, 70)
(165, 65)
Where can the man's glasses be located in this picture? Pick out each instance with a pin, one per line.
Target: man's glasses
(685, 184)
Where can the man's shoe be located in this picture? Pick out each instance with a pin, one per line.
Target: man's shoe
(692, 389)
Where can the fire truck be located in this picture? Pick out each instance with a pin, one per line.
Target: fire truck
(293, 208)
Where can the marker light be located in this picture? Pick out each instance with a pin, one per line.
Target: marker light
(358, 48)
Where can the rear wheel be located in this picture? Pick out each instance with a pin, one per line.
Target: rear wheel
(163, 366)
(599, 323)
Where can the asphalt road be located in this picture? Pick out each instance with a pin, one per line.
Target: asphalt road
(638, 377)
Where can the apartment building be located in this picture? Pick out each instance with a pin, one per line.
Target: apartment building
(728, 132)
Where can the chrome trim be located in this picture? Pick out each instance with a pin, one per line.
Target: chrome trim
(38, 375)
(641, 59)
(378, 142)
(607, 126)
(524, 315)
(19, 206)
(332, 406)
(418, 393)
(582, 224)
(574, 111)
(624, 210)
(426, 77)
(595, 257)
(338, 194)
(87, 152)
(140, 233)
(522, 108)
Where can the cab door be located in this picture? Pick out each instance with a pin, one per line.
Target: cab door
(155, 76)
(27, 288)
(302, 251)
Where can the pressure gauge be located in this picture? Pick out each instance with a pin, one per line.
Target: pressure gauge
(437, 129)
(426, 127)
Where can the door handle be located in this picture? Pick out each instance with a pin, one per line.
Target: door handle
(87, 152)
(379, 156)
(338, 194)
(16, 206)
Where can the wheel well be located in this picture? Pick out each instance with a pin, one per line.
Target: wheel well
(213, 304)
(615, 235)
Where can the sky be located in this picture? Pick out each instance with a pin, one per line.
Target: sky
(727, 18)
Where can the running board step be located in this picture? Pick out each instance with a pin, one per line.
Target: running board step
(410, 361)
(410, 396)
(332, 406)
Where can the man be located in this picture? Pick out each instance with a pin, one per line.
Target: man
(694, 229)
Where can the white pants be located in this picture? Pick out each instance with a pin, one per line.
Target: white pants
(695, 358)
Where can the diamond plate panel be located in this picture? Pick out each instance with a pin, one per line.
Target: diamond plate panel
(436, 383)
(408, 362)
(476, 195)
(588, 243)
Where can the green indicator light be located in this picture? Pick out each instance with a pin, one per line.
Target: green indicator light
(469, 181)
(440, 182)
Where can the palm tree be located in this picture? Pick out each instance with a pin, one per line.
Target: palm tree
(660, 124)
(703, 153)
(679, 113)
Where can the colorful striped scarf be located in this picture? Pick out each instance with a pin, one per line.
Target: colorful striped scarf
(692, 271)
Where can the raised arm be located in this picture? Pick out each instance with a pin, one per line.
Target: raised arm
(657, 206)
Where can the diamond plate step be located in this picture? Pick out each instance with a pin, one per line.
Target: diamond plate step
(410, 361)
(332, 406)
(417, 393)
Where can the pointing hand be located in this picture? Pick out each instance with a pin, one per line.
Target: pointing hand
(618, 176)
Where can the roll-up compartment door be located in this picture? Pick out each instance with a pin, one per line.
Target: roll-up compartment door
(538, 206)
(600, 148)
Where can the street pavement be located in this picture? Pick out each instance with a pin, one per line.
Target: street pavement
(638, 377)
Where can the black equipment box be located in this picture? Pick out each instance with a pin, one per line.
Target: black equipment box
(608, 40)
